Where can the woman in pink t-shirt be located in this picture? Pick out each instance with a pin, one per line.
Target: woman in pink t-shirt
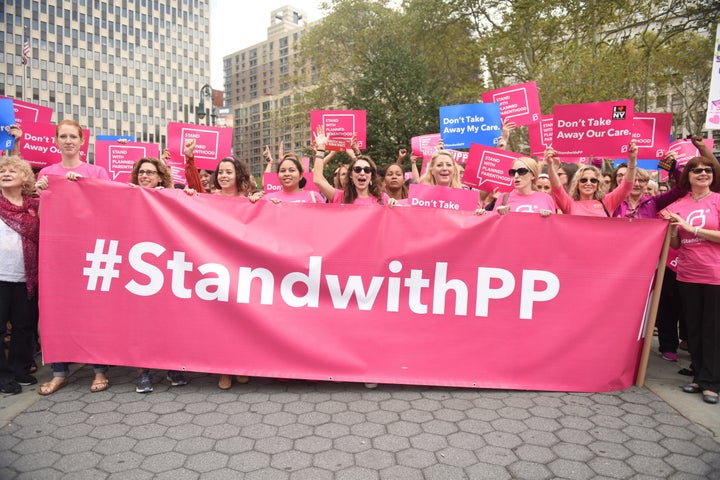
(525, 197)
(695, 224)
(363, 185)
(584, 197)
(290, 174)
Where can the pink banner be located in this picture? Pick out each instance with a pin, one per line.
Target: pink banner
(118, 158)
(271, 182)
(26, 113)
(598, 129)
(685, 150)
(518, 103)
(651, 133)
(212, 145)
(340, 125)
(487, 168)
(307, 290)
(444, 198)
(38, 145)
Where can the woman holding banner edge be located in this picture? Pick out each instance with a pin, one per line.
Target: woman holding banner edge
(695, 224)
(584, 196)
(69, 138)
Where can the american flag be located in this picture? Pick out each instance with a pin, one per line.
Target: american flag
(26, 52)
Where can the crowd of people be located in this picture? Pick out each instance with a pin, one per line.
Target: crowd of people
(690, 202)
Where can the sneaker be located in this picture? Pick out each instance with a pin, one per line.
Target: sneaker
(10, 388)
(683, 345)
(176, 379)
(670, 356)
(26, 380)
(144, 385)
(371, 385)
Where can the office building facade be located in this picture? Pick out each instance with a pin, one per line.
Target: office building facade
(125, 67)
(264, 84)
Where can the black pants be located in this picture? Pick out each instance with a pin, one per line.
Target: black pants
(701, 305)
(669, 314)
(22, 313)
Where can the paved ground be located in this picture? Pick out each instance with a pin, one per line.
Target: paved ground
(316, 430)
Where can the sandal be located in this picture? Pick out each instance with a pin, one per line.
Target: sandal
(99, 385)
(48, 388)
(225, 382)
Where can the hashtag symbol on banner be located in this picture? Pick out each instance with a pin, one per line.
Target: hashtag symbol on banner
(102, 265)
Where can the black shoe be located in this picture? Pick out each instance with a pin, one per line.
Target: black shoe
(10, 388)
(710, 398)
(25, 380)
(691, 388)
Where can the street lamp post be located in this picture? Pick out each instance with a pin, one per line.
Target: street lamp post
(200, 110)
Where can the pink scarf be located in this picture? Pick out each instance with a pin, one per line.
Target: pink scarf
(25, 221)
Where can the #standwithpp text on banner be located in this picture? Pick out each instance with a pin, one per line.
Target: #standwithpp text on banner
(160, 279)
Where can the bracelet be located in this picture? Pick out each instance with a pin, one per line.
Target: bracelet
(320, 150)
(320, 155)
(697, 229)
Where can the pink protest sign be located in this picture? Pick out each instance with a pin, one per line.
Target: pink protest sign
(444, 198)
(487, 168)
(651, 133)
(38, 145)
(118, 158)
(518, 103)
(212, 144)
(540, 135)
(340, 125)
(603, 128)
(26, 112)
(271, 182)
(685, 150)
(424, 145)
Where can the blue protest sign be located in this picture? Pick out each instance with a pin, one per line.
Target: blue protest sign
(115, 138)
(461, 125)
(7, 119)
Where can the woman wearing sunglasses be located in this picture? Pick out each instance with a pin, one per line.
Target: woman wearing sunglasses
(363, 185)
(695, 231)
(584, 197)
(525, 197)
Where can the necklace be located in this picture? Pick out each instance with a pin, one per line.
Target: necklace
(697, 199)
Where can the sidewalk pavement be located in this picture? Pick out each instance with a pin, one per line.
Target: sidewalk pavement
(299, 430)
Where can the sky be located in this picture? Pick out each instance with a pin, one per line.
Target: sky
(238, 24)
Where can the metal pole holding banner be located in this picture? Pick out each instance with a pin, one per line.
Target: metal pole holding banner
(647, 345)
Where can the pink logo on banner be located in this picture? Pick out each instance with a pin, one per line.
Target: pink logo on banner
(541, 135)
(118, 158)
(651, 133)
(487, 168)
(424, 145)
(685, 150)
(26, 112)
(38, 145)
(445, 198)
(294, 278)
(340, 125)
(598, 129)
(271, 182)
(212, 145)
(518, 103)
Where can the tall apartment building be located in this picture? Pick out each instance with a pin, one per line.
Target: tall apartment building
(123, 67)
(262, 85)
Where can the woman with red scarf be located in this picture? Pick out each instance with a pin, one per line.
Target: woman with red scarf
(19, 236)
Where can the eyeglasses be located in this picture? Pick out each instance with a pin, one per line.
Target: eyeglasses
(591, 180)
(701, 170)
(367, 170)
(149, 173)
(520, 171)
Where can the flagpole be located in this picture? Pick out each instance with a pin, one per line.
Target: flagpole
(24, 62)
